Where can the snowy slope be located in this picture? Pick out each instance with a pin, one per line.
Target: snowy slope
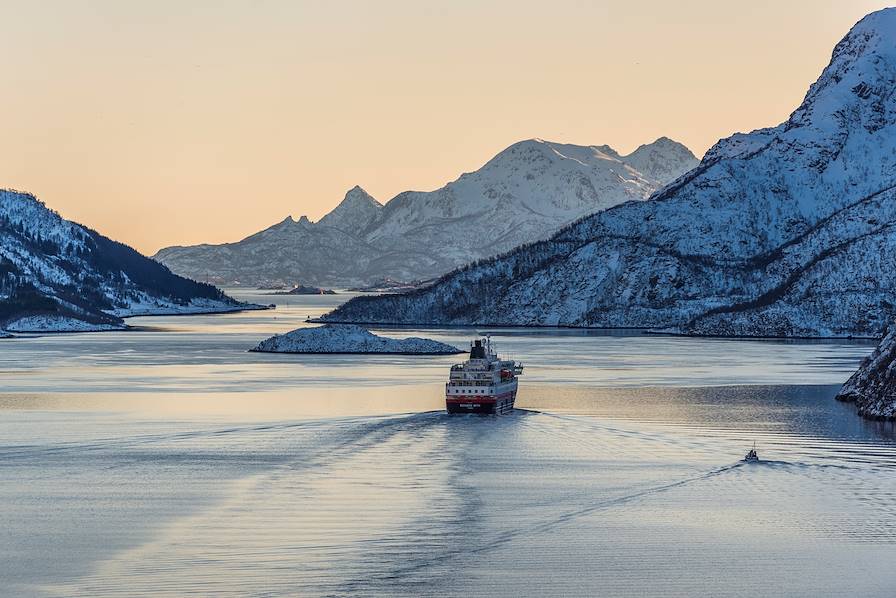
(523, 194)
(54, 272)
(346, 338)
(786, 231)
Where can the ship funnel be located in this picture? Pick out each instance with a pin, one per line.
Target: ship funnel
(477, 351)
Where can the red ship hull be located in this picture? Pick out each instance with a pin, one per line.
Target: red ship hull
(483, 405)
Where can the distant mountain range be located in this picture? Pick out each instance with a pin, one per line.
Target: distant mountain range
(785, 231)
(58, 275)
(525, 193)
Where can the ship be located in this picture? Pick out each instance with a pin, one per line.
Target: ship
(483, 383)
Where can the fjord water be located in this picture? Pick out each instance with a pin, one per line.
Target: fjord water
(169, 461)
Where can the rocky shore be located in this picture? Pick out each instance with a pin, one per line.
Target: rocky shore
(873, 386)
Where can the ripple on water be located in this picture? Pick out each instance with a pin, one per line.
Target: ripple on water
(527, 504)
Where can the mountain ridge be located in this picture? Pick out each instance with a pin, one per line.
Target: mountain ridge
(523, 193)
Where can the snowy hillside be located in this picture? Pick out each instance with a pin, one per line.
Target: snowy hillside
(786, 231)
(287, 253)
(346, 338)
(523, 194)
(55, 273)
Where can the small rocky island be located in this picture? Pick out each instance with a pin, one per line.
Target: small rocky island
(348, 338)
(301, 289)
(873, 387)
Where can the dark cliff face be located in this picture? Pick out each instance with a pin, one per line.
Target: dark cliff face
(873, 387)
(785, 231)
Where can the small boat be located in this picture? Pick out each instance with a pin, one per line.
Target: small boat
(752, 457)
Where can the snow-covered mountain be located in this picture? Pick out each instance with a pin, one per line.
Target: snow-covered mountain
(291, 251)
(662, 160)
(785, 231)
(523, 194)
(58, 274)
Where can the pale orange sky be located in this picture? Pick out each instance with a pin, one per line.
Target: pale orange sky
(170, 122)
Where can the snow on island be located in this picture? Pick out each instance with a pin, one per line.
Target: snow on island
(58, 323)
(873, 386)
(348, 338)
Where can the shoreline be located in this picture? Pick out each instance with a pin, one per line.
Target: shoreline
(642, 329)
(6, 334)
(426, 353)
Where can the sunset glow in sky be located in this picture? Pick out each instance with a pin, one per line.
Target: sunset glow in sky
(186, 122)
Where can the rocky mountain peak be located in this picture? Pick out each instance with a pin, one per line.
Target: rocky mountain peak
(859, 79)
(662, 160)
(356, 210)
(357, 193)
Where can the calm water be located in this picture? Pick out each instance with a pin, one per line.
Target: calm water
(168, 461)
